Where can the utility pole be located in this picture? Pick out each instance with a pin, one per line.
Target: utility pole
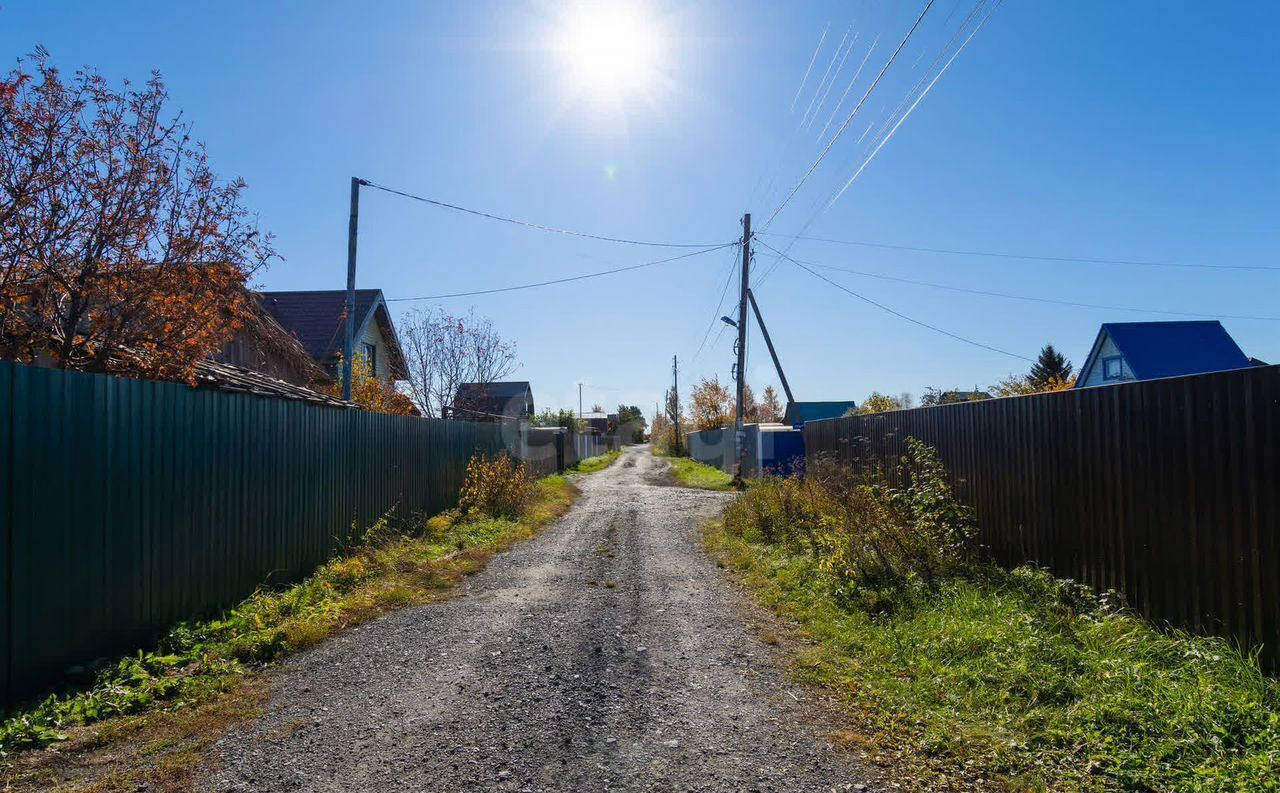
(739, 421)
(348, 339)
(673, 404)
(579, 401)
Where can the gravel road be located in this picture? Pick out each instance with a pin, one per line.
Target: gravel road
(607, 654)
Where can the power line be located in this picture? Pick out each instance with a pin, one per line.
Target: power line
(894, 312)
(1028, 257)
(716, 315)
(538, 226)
(812, 60)
(818, 91)
(853, 81)
(1035, 299)
(849, 119)
(885, 140)
(822, 101)
(563, 280)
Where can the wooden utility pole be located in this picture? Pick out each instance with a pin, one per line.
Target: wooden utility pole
(579, 401)
(348, 339)
(739, 421)
(673, 402)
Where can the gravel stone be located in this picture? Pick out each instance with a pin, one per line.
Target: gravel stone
(537, 676)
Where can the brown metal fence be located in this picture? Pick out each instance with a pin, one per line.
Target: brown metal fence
(128, 505)
(1167, 491)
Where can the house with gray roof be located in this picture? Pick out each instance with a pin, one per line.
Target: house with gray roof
(316, 318)
(512, 400)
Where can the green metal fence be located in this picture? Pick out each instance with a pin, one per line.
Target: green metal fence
(127, 505)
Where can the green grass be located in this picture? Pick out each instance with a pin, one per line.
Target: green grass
(198, 661)
(1017, 681)
(590, 465)
(691, 473)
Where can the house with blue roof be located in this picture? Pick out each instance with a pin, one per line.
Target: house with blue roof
(1128, 351)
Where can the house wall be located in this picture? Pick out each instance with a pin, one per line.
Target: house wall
(245, 350)
(1094, 375)
(373, 335)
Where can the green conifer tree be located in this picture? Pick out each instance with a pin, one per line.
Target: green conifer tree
(1050, 365)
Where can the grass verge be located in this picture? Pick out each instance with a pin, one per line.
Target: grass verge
(147, 717)
(691, 473)
(1013, 680)
(590, 465)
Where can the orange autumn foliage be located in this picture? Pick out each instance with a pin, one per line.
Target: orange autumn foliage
(374, 394)
(121, 250)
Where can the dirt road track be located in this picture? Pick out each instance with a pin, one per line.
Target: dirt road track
(607, 654)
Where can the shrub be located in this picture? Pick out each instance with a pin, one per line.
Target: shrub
(497, 487)
(864, 531)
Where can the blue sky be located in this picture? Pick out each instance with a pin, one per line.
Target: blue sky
(1136, 130)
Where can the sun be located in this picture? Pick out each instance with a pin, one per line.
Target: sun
(609, 49)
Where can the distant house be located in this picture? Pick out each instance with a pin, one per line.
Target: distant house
(602, 423)
(800, 412)
(492, 401)
(953, 397)
(317, 319)
(1127, 351)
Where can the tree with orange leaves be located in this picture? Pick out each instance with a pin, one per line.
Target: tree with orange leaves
(121, 250)
(373, 393)
(712, 404)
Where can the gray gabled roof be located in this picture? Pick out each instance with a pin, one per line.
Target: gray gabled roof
(315, 318)
(510, 398)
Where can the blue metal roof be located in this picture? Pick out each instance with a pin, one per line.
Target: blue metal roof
(1171, 349)
(816, 411)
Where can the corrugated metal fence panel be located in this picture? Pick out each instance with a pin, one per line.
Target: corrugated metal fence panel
(1166, 490)
(6, 526)
(712, 447)
(128, 505)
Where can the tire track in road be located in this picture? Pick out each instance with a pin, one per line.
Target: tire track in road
(607, 654)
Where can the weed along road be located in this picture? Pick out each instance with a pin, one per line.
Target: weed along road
(609, 653)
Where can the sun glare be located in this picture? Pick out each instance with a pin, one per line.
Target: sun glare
(611, 50)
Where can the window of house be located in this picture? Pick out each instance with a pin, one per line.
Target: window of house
(371, 355)
(1113, 368)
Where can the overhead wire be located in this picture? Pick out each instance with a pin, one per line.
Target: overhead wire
(938, 58)
(822, 101)
(807, 71)
(974, 12)
(817, 91)
(1023, 256)
(889, 136)
(565, 280)
(539, 226)
(852, 82)
(715, 317)
(849, 119)
(1037, 299)
(895, 312)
